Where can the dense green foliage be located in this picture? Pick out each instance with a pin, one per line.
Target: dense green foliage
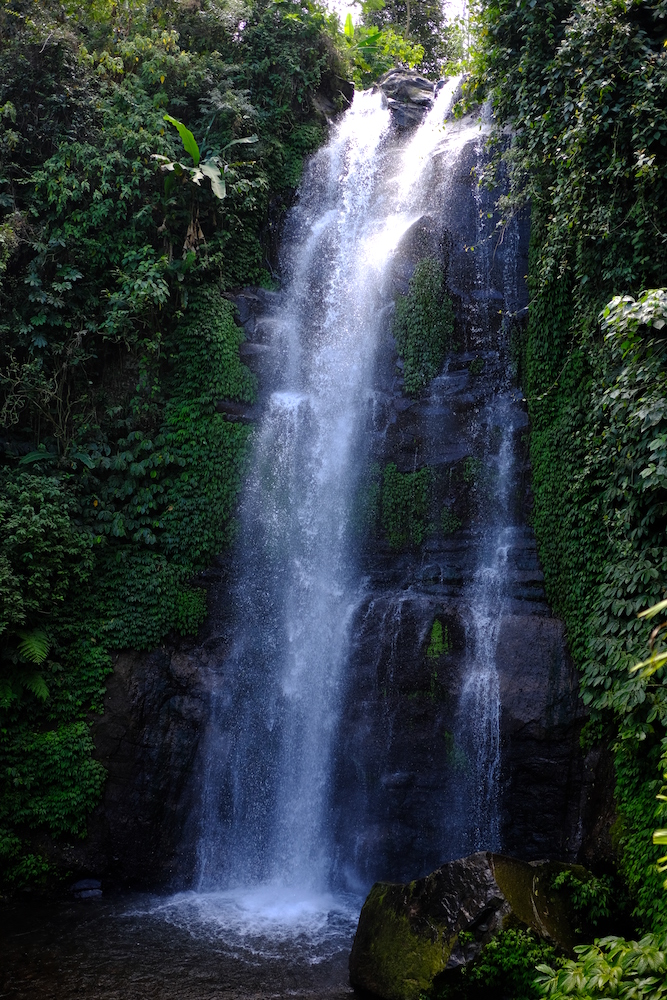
(118, 476)
(373, 50)
(583, 88)
(405, 505)
(590, 899)
(612, 967)
(504, 971)
(423, 326)
(420, 23)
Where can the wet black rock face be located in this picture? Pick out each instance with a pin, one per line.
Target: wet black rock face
(155, 711)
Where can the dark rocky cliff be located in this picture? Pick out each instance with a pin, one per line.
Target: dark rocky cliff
(398, 765)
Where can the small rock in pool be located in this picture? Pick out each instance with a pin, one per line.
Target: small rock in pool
(86, 888)
(88, 894)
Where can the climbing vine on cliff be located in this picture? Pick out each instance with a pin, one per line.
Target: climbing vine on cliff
(405, 505)
(423, 326)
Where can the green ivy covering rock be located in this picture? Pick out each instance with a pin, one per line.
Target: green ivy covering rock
(405, 505)
(423, 326)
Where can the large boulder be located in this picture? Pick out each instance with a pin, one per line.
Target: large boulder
(408, 95)
(409, 934)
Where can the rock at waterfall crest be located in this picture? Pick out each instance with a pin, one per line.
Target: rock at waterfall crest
(408, 95)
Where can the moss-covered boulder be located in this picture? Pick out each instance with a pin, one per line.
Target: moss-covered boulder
(408, 934)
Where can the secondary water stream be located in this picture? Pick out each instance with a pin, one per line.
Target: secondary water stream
(478, 729)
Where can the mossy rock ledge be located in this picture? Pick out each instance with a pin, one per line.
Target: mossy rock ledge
(409, 934)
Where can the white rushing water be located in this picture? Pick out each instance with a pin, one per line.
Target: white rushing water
(487, 597)
(479, 709)
(265, 850)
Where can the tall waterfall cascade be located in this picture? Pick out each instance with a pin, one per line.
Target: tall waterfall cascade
(306, 797)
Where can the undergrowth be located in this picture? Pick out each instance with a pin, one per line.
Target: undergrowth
(505, 970)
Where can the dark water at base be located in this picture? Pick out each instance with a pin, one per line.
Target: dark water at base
(130, 949)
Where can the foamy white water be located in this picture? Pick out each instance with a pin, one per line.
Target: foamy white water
(263, 922)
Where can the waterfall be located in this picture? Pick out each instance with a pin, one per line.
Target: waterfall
(275, 707)
(486, 596)
(267, 841)
(277, 703)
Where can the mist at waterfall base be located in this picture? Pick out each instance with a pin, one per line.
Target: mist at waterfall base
(271, 880)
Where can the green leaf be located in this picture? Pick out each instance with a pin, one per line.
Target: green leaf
(82, 457)
(36, 683)
(38, 456)
(189, 142)
(248, 139)
(349, 27)
(35, 645)
(212, 171)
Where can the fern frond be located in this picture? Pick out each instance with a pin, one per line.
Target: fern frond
(34, 646)
(36, 683)
(7, 693)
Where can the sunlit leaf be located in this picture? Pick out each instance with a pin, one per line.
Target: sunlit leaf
(653, 611)
(246, 140)
(212, 171)
(189, 142)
